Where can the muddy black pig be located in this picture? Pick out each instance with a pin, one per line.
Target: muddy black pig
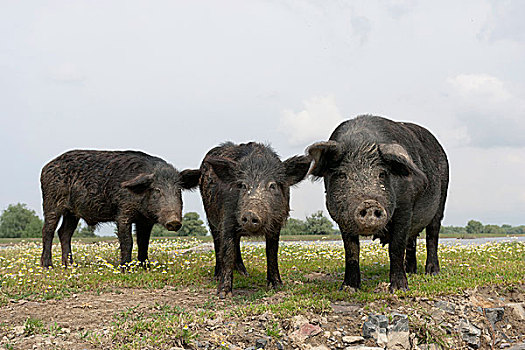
(245, 189)
(388, 180)
(101, 186)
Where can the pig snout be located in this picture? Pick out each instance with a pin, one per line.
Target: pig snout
(173, 225)
(370, 216)
(250, 221)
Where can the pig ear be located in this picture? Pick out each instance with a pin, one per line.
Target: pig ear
(190, 178)
(296, 168)
(138, 184)
(325, 155)
(223, 167)
(400, 163)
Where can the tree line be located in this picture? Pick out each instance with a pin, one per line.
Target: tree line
(475, 227)
(18, 221)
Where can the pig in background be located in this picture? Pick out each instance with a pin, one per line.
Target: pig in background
(388, 180)
(101, 186)
(245, 189)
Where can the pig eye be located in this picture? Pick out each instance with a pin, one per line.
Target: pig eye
(382, 175)
(272, 186)
(241, 186)
(340, 176)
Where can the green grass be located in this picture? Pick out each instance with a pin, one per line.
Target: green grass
(312, 274)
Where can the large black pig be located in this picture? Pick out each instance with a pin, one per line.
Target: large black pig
(388, 180)
(245, 189)
(101, 186)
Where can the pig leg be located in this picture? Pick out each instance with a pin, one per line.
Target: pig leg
(239, 264)
(272, 268)
(125, 240)
(352, 272)
(218, 250)
(48, 231)
(410, 257)
(143, 236)
(432, 264)
(65, 232)
(225, 286)
(396, 251)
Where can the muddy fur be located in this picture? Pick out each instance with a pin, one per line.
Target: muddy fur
(125, 187)
(245, 189)
(397, 169)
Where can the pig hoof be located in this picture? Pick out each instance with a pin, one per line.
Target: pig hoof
(432, 270)
(348, 289)
(398, 286)
(224, 294)
(145, 264)
(274, 284)
(242, 270)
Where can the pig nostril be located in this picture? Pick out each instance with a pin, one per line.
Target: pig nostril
(255, 221)
(378, 213)
(244, 219)
(363, 213)
(173, 226)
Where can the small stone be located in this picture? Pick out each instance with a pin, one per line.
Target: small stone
(518, 347)
(504, 345)
(320, 347)
(399, 323)
(445, 306)
(19, 330)
(261, 343)
(495, 314)
(382, 338)
(305, 331)
(279, 346)
(398, 340)
(336, 333)
(518, 309)
(470, 333)
(363, 348)
(327, 334)
(250, 348)
(298, 321)
(349, 339)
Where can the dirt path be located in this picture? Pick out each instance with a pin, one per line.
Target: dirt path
(86, 321)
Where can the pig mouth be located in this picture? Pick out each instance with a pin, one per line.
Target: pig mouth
(171, 222)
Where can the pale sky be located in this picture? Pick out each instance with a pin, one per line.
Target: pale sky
(176, 78)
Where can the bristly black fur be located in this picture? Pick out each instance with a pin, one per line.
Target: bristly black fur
(386, 179)
(245, 189)
(102, 186)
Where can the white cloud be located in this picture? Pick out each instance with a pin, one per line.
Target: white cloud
(316, 121)
(505, 21)
(489, 110)
(480, 86)
(67, 73)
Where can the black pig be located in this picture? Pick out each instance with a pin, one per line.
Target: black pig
(101, 186)
(246, 192)
(387, 180)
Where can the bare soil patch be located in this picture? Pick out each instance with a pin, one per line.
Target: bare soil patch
(90, 313)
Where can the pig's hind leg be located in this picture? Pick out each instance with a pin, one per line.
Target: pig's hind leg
(65, 232)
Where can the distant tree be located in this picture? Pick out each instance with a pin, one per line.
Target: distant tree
(492, 229)
(474, 227)
(17, 221)
(192, 225)
(294, 227)
(160, 231)
(85, 231)
(453, 230)
(318, 224)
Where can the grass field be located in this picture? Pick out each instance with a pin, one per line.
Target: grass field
(311, 273)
